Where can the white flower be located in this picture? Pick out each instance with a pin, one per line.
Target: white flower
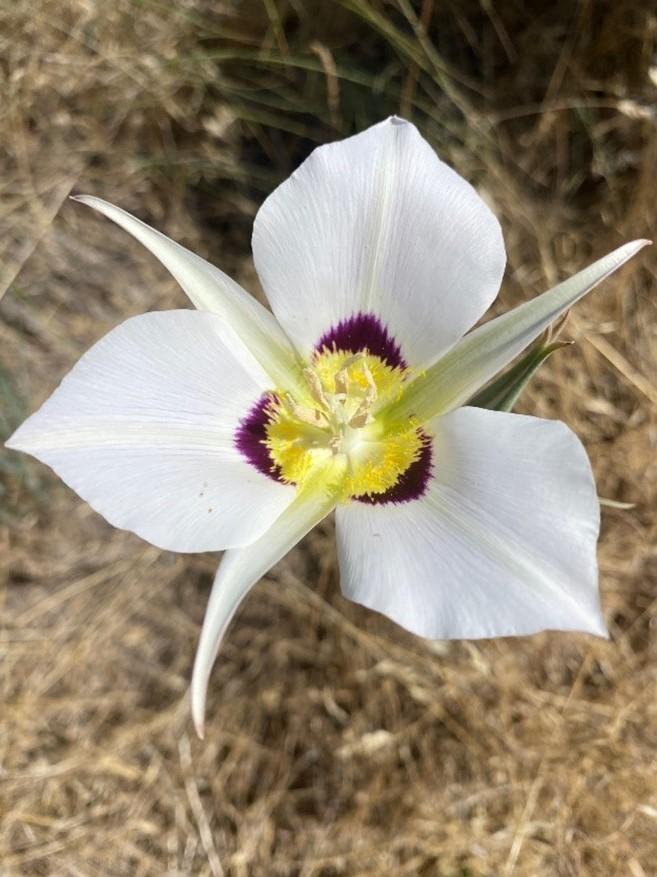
(232, 428)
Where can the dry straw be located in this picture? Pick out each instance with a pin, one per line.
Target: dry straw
(336, 744)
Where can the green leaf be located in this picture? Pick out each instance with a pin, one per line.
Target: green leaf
(503, 393)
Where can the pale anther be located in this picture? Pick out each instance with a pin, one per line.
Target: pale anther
(363, 416)
(316, 388)
(309, 416)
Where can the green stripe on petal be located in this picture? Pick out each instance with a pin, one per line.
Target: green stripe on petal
(478, 357)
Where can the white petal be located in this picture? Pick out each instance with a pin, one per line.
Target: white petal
(241, 568)
(143, 429)
(483, 353)
(378, 224)
(209, 289)
(502, 543)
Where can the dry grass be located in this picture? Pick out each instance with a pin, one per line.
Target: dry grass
(336, 743)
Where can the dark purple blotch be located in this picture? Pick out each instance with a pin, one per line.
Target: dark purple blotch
(411, 485)
(251, 435)
(363, 332)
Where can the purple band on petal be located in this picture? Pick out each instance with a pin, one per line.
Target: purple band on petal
(251, 435)
(363, 332)
(411, 485)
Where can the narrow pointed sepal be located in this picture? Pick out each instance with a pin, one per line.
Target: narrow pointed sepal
(478, 357)
(240, 569)
(209, 289)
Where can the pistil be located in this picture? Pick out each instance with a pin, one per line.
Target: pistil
(338, 416)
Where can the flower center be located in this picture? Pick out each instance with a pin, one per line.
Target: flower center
(338, 416)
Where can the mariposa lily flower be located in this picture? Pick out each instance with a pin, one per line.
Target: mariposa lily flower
(232, 428)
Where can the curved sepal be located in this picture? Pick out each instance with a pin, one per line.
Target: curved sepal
(209, 289)
(478, 357)
(240, 569)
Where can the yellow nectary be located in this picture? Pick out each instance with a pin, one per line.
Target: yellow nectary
(339, 416)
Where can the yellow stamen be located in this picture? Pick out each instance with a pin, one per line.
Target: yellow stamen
(338, 418)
